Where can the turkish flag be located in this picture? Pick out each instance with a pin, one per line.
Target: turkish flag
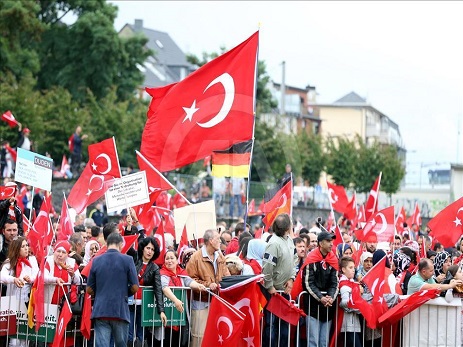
(331, 222)
(372, 202)
(159, 236)
(9, 118)
(415, 218)
(12, 152)
(103, 159)
(338, 197)
(156, 181)
(128, 242)
(338, 240)
(399, 223)
(447, 225)
(224, 325)
(252, 208)
(359, 218)
(408, 305)
(7, 192)
(351, 208)
(277, 201)
(168, 218)
(380, 226)
(357, 302)
(26, 225)
(63, 320)
(184, 244)
(88, 188)
(375, 280)
(211, 109)
(41, 234)
(64, 166)
(86, 323)
(66, 224)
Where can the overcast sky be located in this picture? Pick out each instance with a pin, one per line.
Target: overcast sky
(406, 58)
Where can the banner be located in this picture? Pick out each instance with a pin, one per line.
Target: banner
(8, 315)
(46, 332)
(149, 314)
(130, 190)
(33, 169)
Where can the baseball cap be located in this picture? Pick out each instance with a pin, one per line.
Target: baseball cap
(323, 235)
(26, 130)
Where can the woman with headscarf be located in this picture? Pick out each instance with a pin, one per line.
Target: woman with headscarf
(366, 263)
(91, 249)
(19, 272)
(401, 263)
(344, 249)
(172, 275)
(442, 262)
(60, 269)
(255, 255)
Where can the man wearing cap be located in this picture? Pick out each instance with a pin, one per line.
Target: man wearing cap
(23, 138)
(279, 273)
(320, 280)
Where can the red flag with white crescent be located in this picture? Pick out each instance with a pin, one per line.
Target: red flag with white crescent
(338, 197)
(447, 225)
(371, 205)
(10, 119)
(380, 227)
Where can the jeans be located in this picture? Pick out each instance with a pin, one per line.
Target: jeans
(104, 329)
(275, 332)
(237, 198)
(318, 332)
(135, 324)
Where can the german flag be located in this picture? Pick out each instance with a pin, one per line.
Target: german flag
(232, 162)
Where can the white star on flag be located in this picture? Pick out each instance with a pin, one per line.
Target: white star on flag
(457, 221)
(190, 111)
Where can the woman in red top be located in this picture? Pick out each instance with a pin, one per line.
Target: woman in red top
(172, 275)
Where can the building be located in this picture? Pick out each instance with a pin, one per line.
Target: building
(298, 114)
(167, 65)
(352, 115)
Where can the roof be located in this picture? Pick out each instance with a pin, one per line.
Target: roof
(351, 98)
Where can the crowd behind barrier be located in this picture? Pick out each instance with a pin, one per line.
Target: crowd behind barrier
(436, 323)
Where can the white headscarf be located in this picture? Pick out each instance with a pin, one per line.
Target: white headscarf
(87, 255)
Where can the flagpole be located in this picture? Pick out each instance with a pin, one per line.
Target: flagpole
(117, 157)
(32, 206)
(377, 195)
(162, 176)
(253, 133)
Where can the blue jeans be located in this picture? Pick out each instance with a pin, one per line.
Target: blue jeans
(135, 324)
(104, 329)
(237, 198)
(318, 332)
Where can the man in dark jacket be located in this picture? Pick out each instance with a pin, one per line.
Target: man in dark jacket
(320, 280)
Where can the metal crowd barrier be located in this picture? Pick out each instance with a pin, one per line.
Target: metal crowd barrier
(436, 323)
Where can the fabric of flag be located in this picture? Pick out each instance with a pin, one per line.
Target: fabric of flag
(232, 162)
(277, 201)
(379, 228)
(26, 226)
(156, 181)
(338, 197)
(88, 189)
(357, 302)
(351, 208)
(13, 153)
(64, 166)
(63, 320)
(331, 222)
(71, 143)
(245, 295)
(86, 323)
(37, 308)
(447, 225)
(338, 240)
(159, 236)
(415, 218)
(408, 305)
(375, 280)
(9, 118)
(41, 234)
(183, 244)
(7, 192)
(371, 205)
(224, 325)
(129, 241)
(399, 223)
(66, 224)
(103, 159)
(209, 110)
(168, 218)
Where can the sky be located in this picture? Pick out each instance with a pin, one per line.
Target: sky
(405, 58)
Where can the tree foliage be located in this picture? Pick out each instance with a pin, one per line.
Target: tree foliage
(341, 160)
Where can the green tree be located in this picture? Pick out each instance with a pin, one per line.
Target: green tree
(392, 169)
(368, 165)
(341, 160)
(313, 161)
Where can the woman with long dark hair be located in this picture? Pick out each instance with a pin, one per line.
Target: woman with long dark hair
(148, 275)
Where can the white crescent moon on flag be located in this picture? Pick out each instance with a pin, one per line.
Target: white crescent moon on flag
(383, 221)
(101, 180)
(245, 303)
(460, 209)
(373, 287)
(108, 160)
(285, 200)
(331, 192)
(227, 81)
(228, 322)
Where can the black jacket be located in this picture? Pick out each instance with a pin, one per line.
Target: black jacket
(4, 207)
(152, 277)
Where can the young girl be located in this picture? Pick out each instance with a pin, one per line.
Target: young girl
(351, 326)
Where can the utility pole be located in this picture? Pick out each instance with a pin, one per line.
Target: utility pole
(283, 88)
